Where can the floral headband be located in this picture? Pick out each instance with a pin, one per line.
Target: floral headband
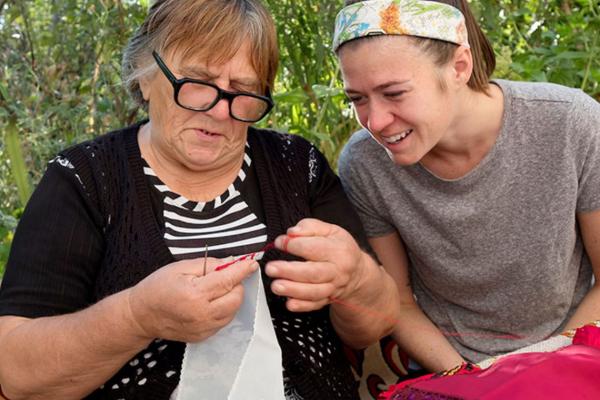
(428, 19)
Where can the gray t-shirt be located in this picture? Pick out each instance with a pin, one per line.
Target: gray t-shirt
(496, 252)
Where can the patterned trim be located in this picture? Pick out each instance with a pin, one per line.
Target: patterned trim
(421, 18)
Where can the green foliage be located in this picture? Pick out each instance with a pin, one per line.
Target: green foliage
(8, 223)
(15, 157)
(310, 101)
(60, 69)
(548, 41)
(59, 80)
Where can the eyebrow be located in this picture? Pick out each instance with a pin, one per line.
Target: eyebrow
(383, 86)
(200, 72)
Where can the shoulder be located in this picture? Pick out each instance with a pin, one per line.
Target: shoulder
(104, 152)
(547, 97)
(93, 160)
(547, 107)
(539, 91)
(107, 142)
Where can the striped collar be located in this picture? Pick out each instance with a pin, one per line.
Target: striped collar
(175, 199)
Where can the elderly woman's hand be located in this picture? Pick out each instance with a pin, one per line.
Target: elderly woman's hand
(178, 303)
(333, 268)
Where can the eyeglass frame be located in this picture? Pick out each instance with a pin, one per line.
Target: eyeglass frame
(221, 93)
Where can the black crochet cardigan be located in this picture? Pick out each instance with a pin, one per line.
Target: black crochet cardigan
(118, 195)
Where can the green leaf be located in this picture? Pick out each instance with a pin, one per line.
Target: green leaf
(326, 91)
(540, 76)
(4, 92)
(294, 96)
(17, 163)
(571, 55)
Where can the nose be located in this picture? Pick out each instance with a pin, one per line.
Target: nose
(377, 117)
(220, 111)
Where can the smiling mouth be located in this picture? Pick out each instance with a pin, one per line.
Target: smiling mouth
(397, 138)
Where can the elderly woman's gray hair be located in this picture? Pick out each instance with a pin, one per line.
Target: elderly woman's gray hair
(212, 30)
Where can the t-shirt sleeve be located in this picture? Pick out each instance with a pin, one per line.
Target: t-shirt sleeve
(356, 183)
(329, 202)
(584, 119)
(56, 251)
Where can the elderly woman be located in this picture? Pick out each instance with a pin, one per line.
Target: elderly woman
(107, 278)
(480, 197)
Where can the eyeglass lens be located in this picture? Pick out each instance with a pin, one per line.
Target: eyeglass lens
(201, 97)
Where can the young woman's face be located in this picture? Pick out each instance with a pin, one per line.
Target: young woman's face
(397, 94)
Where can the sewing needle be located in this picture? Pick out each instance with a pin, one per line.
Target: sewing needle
(205, 259)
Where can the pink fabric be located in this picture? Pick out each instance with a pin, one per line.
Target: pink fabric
(568, 373)
(572, 372)
(588, 335)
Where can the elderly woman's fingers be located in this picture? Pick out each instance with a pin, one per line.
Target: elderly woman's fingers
(315, 240)
(175, 302)
(303, 291)
(224, 308)
(316, 248)
(222, 282)
(296, 305)
(301, 271)
(312, 227)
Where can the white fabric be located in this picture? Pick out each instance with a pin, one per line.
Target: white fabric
(551, 344)
(241, 361)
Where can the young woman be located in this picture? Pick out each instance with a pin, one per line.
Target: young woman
(480, 197)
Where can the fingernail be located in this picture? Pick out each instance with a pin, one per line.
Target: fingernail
(286, 243)
(291, 305)
(282, 242)
(277, 288)
(271, 269)
(294, 231)
(254, 266)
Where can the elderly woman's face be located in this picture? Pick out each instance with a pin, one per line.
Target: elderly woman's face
(200, 140)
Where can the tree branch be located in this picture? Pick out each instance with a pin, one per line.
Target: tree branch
(2, 4)
(28, 35)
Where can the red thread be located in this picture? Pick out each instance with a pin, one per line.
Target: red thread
(286, 241)
(367, 310)
(250, 256)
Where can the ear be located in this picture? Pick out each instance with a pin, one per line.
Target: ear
(462, 66)
(145, 83)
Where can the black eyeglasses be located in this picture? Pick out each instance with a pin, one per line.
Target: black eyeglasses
(198, 95)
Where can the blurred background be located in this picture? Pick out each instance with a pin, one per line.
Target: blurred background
(60, 73)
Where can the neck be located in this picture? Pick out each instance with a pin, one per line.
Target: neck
(196, 185)
(471, 136)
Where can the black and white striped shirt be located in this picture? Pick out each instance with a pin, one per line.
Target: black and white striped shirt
(226, 224)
